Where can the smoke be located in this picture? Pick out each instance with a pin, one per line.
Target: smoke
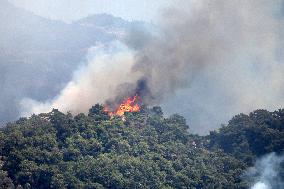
(267, 173)
(207, 59)
(228, 53)
(95, 82)
(38, 56)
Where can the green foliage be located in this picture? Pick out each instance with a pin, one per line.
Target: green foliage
(249, 136)
(142, 150)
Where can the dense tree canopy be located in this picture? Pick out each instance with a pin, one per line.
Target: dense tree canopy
(141, 150)
(249, 136)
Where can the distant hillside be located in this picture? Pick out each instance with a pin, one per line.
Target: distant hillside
(108, 22)
(38, 55)
(142, 150)
(104, 20)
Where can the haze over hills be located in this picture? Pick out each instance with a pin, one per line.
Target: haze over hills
(207, 61)
(38, 55)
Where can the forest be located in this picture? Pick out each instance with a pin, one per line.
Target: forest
(141, 149)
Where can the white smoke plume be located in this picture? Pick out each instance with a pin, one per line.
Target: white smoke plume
(267, 173)
(226, 57)
(95, 82)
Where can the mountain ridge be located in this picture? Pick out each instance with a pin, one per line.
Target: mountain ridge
(44, 53)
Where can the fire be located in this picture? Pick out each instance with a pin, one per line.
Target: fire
(130, 104)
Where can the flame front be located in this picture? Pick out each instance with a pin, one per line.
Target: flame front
(130, 104)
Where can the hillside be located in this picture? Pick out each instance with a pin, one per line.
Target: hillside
(44, 53)
(142, 150)
(247, 137)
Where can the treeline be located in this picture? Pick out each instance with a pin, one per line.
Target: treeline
(247, 137)
(141, 150)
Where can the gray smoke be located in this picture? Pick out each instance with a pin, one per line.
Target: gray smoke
(207, 59)
(38, 56)
(267, 173)
(94, 82)
(227, 54)
(205, 33)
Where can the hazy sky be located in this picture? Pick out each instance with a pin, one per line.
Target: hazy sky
(228, 53)
(68, 10)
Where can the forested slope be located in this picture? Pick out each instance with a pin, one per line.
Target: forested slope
(249, 136)
(140, 150)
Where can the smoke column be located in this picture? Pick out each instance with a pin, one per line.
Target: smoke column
(95, 82)
(266, 174)
(226, 55)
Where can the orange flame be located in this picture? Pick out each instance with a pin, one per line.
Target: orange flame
(130, 104)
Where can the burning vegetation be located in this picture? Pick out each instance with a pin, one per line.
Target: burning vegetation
(129, 99)
(130, 104)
